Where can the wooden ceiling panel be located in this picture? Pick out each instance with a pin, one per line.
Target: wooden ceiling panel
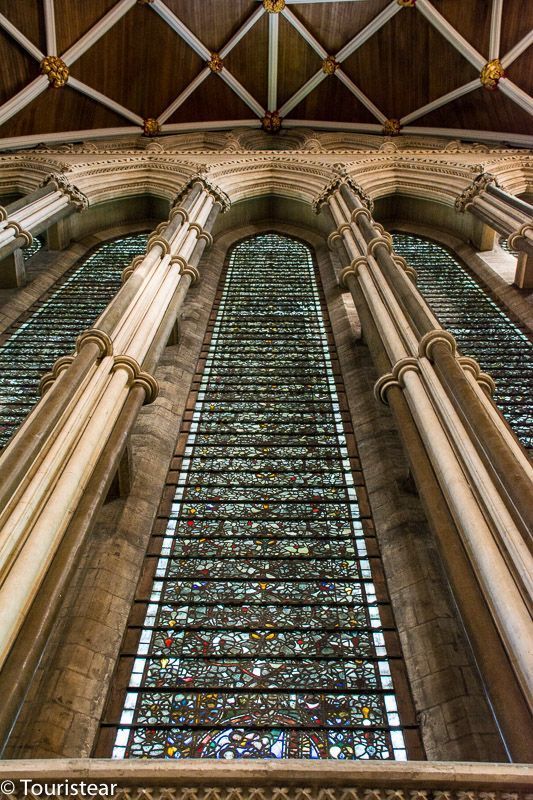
(521, 73)
(248, 61)
(213, 23)
(333, 28)
(332, 94)
(60, 110)
(471, 19)
(482, 110)
(297, 61)
(390, 68)
(144, 73)
(18, 67)
(517, 21)
(213, 100)
(28, 17)
(76, 17)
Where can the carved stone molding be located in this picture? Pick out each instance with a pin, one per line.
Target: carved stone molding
(336, 183)
(215, 191)
(478, 185)
(62, 184)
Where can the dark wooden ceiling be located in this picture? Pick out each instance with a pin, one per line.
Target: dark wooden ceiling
(144, 65)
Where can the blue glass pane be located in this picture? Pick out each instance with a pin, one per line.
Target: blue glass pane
(50, 327)
(264, 632)
(482, 330)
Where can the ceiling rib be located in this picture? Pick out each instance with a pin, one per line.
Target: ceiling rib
(105, 101)
(304, 33)
(181, 98)
(359, 39)
(520, 97)
(97, 31)
(243, 30)
(450, 33)
(440, 101)
(50, 27)
(188, 36)
(22, 98)
(369, 30)
(343, 77)
(517, 50)
(495, 29)
(19, 37)
(180, 28)
(273, 43)
(241, 92)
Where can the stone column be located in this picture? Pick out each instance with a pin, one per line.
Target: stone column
(80, 426)
(483, 474)
(20, 221)
(506, 214)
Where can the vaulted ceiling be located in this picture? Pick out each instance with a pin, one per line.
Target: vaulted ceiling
(378, 66)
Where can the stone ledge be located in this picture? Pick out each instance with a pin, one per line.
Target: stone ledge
(284, 780)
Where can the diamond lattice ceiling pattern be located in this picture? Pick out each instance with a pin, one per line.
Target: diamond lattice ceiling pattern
(382, 66)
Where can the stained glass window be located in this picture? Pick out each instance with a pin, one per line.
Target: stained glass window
(49, 328)
(262, 627)
(504, 244)
(481, 328)
(33, 248)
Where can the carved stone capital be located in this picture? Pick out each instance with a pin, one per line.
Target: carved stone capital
(478, 185)
(130, 269)
(335, 184)
(376, 242)
(353, 269)
(483, 378)
(215, 191)
(62, 184)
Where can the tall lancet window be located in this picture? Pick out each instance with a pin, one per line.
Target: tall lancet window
(48, 329)
(262, 627)
(481, 328)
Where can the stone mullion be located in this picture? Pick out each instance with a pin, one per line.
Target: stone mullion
(38, 512)
(479, 511)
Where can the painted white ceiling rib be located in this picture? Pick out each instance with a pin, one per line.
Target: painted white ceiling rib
(495, 29)
(38, 85)
(50, 27)
(120, 8)
(273, 43)
(192, 40)
(357, 41)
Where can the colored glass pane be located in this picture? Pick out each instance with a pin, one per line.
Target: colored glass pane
(266, 633)
(481, 328)
(50, 327)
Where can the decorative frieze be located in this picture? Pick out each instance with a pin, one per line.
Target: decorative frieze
(62, 184)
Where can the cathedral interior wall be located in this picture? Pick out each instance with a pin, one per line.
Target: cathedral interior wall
(66, 700)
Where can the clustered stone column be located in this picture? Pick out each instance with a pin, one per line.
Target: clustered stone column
(79, 428)
(20, 221)
(506, 214)
(471, 472)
